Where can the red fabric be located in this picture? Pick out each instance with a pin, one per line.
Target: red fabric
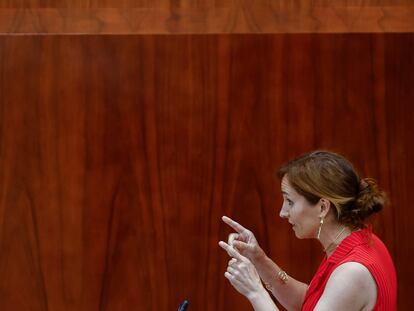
(367, 249)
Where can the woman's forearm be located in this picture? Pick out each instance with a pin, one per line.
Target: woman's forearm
(290, 293)
(262, 302)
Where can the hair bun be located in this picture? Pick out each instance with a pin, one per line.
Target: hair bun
(370, 198)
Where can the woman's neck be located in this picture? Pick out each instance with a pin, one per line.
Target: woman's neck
(332, 236)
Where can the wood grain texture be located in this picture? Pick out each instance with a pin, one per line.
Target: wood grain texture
(247, 18)
(400, 92)
(203, 4)
(119, 154)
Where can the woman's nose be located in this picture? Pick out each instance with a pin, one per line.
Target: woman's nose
(283, 213)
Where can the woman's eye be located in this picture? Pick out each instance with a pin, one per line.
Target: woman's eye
(290, 203)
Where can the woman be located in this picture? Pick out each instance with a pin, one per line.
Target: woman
(323, 198)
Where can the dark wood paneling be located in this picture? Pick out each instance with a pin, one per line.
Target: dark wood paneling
(399, 95)
(119, 154)
(246, 18)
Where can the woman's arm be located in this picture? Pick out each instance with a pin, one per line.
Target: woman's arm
(350, 287)
(262, 302)
(290, 293)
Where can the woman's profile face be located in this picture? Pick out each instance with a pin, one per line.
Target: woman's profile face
(303, 216)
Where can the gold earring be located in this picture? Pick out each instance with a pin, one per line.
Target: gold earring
(320, 228)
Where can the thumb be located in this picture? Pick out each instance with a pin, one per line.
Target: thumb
(241, 246)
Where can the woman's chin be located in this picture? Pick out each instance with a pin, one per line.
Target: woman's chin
(297, 233)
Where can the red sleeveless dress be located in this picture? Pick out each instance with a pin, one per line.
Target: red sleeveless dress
(367, 249)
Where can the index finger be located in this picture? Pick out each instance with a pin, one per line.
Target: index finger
(231, 251)
(235, 225)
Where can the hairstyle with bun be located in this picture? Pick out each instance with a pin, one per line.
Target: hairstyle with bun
(324, 174)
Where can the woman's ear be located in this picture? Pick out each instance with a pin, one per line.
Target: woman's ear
(324, 206)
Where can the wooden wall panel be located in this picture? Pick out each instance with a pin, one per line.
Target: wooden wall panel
(296, 4)
(205, 16)
(246, 18)
(119, 154)
(203, 4)
(399, 94)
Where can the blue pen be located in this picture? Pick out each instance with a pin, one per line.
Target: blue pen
(183, 306)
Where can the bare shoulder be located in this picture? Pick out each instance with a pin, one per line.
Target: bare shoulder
(350, 287)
